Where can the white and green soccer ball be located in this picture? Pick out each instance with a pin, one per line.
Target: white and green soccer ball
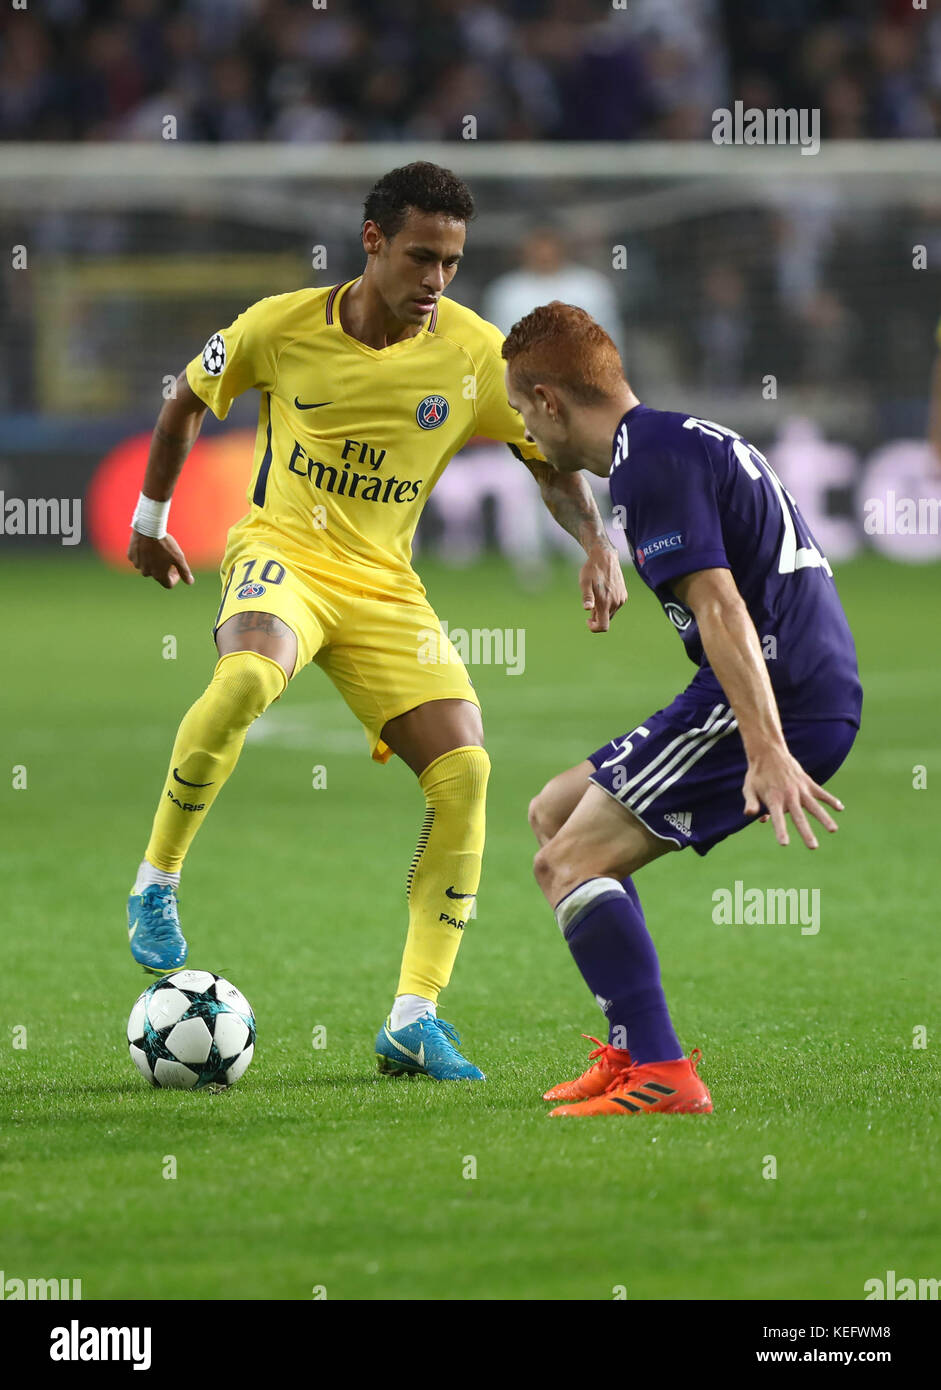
(191, 1030)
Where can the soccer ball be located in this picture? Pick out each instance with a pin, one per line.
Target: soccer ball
(191, 1030)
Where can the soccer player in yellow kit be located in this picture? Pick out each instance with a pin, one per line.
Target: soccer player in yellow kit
(368, 389)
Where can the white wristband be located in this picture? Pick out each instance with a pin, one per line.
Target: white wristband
(150, 517)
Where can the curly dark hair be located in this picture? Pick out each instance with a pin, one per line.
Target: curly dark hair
(421, 185)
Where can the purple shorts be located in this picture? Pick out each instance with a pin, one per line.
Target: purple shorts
(681, 771)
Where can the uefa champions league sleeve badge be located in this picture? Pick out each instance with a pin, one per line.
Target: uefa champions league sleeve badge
(214, 355)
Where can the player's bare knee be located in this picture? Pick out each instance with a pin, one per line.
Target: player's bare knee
(540, 865)
(556, 872)
(544, 817)
(544, 866)
(536, 819)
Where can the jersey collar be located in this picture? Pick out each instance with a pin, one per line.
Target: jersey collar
(619, 444)
(332, 314)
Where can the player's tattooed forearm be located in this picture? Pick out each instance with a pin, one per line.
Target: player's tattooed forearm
(571, 502)
(260, 622)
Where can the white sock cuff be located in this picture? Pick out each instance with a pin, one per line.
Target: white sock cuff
(576, 903)
(148, 873)
(409, 1008)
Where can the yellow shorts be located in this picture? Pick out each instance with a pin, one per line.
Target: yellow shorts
(384, 655)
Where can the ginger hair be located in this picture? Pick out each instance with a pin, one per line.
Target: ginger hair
(561, 345)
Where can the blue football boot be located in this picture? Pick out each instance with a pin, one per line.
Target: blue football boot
(427, 1048)
(153, 926)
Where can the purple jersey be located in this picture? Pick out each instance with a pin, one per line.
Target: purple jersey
(693, 495)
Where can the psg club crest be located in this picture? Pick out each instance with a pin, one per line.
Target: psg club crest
(432, 412)
(214, 355)
(251, 591)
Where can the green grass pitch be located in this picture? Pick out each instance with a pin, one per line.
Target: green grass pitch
(316, 1173)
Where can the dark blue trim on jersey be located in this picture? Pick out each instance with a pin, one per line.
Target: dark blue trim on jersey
(225, 594)
(261, 482)
(331, 297)
(516, 451)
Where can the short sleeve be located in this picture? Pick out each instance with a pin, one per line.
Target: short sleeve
(671, 513)
(235, 359)
(495, 418)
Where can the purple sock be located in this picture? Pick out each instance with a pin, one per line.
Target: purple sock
(603, 925)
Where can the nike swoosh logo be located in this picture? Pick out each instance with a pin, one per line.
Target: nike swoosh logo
(450, 893)
(314, 405)
(183, 781)
(418, 1056)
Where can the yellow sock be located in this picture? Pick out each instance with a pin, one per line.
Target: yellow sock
(207, 748)
(445, 872)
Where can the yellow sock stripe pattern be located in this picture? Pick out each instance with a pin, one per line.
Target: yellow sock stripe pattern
(445, 872)
(206, 749)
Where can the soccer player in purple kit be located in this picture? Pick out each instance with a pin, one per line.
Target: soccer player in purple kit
(769, 716)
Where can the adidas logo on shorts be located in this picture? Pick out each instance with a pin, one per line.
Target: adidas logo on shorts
(681, 821)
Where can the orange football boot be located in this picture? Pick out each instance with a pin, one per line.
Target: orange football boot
(666, 1087)
(607, 1064)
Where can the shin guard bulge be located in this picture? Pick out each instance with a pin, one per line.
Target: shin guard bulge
(207, 748)
(445, 871)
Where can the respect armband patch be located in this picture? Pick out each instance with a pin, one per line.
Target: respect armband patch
(659, 545)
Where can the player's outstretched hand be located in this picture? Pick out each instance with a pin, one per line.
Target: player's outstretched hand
(603, 588)
(777, 783)
(162, 560)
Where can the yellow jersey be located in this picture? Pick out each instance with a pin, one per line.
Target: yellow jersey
(351, 439)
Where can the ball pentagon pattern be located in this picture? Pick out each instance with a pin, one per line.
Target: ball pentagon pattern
(191, 1030)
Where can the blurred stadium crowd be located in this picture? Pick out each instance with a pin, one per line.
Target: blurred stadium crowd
(286, 70)
(802, 281)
